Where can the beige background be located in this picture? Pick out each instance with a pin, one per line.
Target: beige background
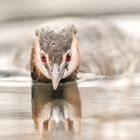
(17, 9)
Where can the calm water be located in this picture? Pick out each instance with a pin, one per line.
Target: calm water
(94, 108)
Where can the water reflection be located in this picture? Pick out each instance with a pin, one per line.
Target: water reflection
(110, 110)
(56, 110)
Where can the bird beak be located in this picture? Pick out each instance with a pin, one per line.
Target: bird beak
(55, 76)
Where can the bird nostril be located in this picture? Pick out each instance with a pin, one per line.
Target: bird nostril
(53, 44)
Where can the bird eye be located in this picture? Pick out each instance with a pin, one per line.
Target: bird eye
(43, 58)
(68, 57)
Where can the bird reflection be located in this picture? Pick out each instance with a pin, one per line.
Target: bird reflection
(56, 110)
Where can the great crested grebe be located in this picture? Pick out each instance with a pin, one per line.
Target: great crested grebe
(104, 50)
(55, 55)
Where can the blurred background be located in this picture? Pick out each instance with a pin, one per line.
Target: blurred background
(32, 9)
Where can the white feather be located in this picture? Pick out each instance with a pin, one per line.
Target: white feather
(74, 58)
(39, 63)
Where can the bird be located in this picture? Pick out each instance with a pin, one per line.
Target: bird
(55, 55)
(102, 48)
(70, 45)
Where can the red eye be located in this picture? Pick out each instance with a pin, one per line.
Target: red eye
(43, 58)
(68, 57)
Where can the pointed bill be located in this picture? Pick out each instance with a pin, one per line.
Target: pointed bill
(55, 76)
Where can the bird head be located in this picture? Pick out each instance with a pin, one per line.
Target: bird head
(57, 53)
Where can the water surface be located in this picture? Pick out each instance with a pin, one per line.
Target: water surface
(100, 108)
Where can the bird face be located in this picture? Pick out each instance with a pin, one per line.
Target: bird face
(57, 53)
